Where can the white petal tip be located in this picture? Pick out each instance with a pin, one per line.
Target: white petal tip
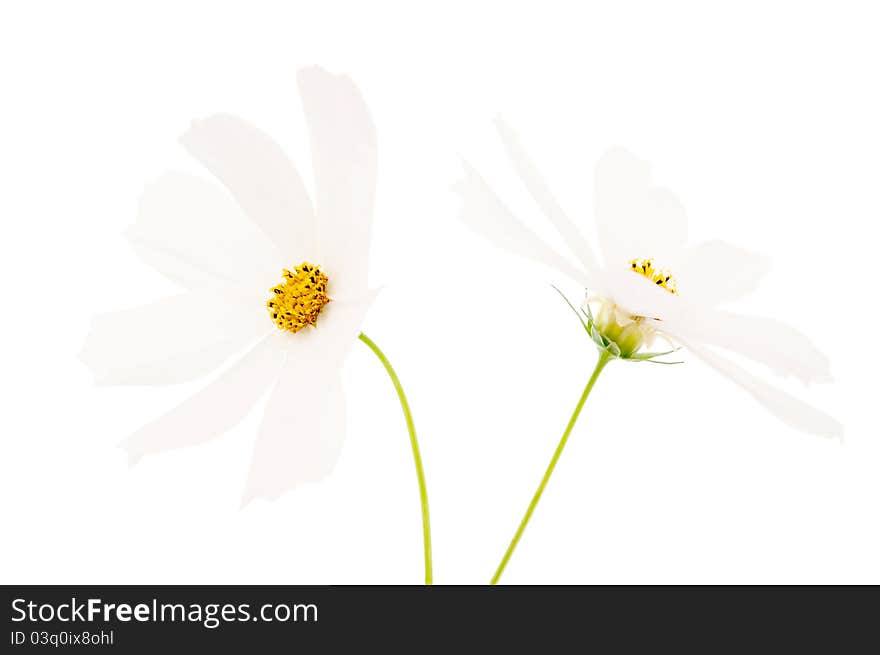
(132, 457)
(314, 74)
(314, 70)
(836, 432)
(133, 454)
(83, 357)
(618, 152)
(197, 124)
(186, 137)
(251, 494)
(99, 377)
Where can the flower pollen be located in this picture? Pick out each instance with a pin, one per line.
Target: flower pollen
(296, 302)
(645, 267)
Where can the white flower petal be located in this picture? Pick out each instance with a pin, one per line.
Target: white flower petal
(483, 212)
(302, 430)
(343, 141)
(782, 348)
(260, 177)
(716, 272)
(217, 407)
(543, 197)
(638, 295)
(301, 434)
(787, 408)
(172, 340)
(193, 232)
(339, 324)
(635, 218)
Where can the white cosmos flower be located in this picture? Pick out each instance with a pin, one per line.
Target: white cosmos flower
(228, 250)
(642, 232)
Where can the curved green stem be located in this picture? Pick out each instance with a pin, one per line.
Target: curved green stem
(420, 473)
(604, 358)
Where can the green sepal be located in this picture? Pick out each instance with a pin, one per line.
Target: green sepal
(657, 361)
(588, 325)
(652, 355)
(597, 336)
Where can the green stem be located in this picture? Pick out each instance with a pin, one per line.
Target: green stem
(420, 473)
(604, 358)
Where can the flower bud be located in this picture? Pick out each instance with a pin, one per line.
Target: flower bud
(606, 320)
(630, 339)
(627, 332)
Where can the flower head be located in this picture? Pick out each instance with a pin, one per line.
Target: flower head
(298, 300)
(651, 282)
(227, 249)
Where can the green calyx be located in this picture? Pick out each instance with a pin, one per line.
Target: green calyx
(613, 339)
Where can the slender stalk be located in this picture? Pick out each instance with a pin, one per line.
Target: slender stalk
(604, 358)
(420, 473)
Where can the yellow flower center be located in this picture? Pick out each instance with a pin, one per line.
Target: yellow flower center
(645, 267)
(296, 302)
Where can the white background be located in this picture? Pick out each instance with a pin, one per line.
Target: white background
(763, 117)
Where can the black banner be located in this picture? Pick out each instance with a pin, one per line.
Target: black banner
(174, 619)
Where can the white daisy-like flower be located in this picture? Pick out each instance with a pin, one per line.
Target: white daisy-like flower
(266, 271)
(651, 281)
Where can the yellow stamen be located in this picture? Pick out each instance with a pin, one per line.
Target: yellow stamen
(296, 302)
(645, 267)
